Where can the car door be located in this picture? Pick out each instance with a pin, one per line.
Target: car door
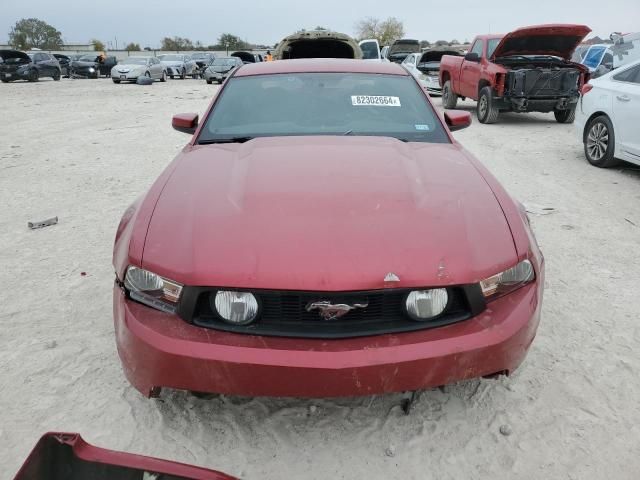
(370, 49)
(470, 71)
(155, 69)
(39, 60)
(626, 111)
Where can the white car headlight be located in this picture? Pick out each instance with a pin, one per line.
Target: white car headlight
(424, 305)
(237, 308)
(508, 281)
(152, 289)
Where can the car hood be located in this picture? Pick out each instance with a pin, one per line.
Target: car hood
(131, 66)
(14, 55)
(404, 46)
(84, 64)
(328, 214)
(557, 40)
(436, 55)
(221, 68)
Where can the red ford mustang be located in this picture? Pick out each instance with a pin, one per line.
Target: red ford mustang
(323, 235)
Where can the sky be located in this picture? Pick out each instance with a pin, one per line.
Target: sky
(147, 22)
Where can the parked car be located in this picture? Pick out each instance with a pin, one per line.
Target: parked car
(399, 50)
(246, 288)
(203, 60)
(85, 66)
(68, 456)
(526, 70)
(317, 44)
(608, 117)
(16, 65)
(425, 66)
(65, 64)
(130, 68)
(221, 68)
(179, 65)
(602, 58)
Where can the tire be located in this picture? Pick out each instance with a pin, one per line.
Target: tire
(163, 78)
(600, 142)
(56, 76)
(35, 76)
(4, 80)
(565, 116)
(449, 99)
(486, 110)
(116, 80)
(209, 81)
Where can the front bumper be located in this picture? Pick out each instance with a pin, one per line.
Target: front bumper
(174, 71)
(535, 104)
(22, 74)
(126, 77)
(161, 350)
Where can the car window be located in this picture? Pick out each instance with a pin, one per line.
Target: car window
(593, 57)
(38, 57)
(323, 104)
(369, 50)
(491, 46)
(477, 48)
(631, 75)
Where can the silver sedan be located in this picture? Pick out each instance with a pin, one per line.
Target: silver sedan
(179, 65)
(129, 69)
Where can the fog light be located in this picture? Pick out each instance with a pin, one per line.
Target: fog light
(427, 304)
(238, 308)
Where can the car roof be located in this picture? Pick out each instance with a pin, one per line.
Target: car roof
(321, 65)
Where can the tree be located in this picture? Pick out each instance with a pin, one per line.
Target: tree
(442, 43)
(31, 33)
(425, 44)
(98, 46)
(454, 42)
(385, 31)
(176, 43)
(133, 47)
(231, 42)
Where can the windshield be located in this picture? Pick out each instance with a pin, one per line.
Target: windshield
(134, 61)
(170, 58)
(88, 58)
(593, 57)
(491, 46)
(323, 104)
(224, 61)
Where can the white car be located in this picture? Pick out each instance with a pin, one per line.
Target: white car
(130, 68)
(608, 117)
(425, 66)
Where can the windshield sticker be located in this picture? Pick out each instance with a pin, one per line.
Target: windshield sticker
(424, 128)
(375, 100)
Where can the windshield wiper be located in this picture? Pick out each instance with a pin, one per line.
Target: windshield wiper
(225, 140)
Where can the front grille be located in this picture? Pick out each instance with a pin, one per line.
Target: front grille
(284, 313)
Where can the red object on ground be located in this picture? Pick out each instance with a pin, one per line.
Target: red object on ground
(331, 215)
(66, 456)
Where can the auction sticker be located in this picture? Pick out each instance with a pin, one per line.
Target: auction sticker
(375, 100)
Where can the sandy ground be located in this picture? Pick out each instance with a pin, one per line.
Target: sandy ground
(84, 150)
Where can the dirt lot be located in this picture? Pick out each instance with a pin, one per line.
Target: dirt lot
(84, 150)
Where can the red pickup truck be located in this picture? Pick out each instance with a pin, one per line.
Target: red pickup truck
(527, 70)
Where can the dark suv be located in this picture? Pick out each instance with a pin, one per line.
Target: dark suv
(15, 65)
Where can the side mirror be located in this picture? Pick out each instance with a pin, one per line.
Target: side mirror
(472, 57)
(457, 119)
(185, 122)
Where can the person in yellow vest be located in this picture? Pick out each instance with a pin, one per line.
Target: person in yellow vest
(269, 57)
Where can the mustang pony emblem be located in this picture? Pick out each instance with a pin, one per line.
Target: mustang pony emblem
(331, 311)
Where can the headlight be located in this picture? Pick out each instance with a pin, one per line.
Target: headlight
(152, 290)
(426, 304)
(91, 69)
(508, 281)
(237, 308)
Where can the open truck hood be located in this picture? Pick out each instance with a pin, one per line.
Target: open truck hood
(15, 55)
(66, 456)
(556, 39)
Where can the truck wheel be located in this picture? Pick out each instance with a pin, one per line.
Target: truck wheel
(599, 142)
(565, 116)
(449, 99)
(487, 111)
